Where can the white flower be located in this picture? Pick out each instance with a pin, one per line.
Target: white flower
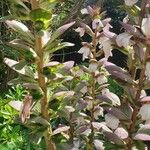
(89, 104)
(76, 144)
(146, 26)
(98, 111)
(107, 32)
(101, 79)
(121, 132)
(84, 90)
(93, 66)
(98, 145)
(105, 91)
(111, 121)
(123, 39)
(106, 44)
(84, 11)
(113, 97)
(145, 112)
(85, 51)
(130, 2)
(101, 125)
(86, 132)
(147, 70)
(69, 108)
(97, 23)
(81, 31)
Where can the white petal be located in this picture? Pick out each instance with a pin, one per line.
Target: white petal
(113, 97)
(86, 132)
(45, 37)
(147, 70)
(145, 112)
(93, 66)
(98, 145)
(101, 125)
(107, 48)
(84, 11)
(98, 112)
(85, 51)
(81, 31)
(84, 90)
(121, 132)
(69, 108)
(102, 79)
(146, 26)
(130, 2)
(96, 23)
(107, 32)
(123, 39)
(111, 121)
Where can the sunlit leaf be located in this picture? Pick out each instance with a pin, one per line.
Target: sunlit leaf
(24, 71)
(21, 29)
(16, 105)
(61, 129)
(59, 32)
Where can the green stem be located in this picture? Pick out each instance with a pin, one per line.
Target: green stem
(42, 82)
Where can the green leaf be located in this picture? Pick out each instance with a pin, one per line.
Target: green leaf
(24, 71)
(59, 46)
(40, 14)
(39, 120)
(61, 129)
(21, 80)
(21, 29)
(59, 32)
